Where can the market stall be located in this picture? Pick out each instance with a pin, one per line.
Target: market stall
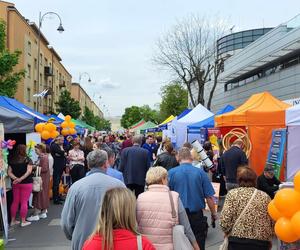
(145, 126)
(259, 115)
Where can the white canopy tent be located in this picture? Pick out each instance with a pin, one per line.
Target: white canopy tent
(179, 127)
(292, 120)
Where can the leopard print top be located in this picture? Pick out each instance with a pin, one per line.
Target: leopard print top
(256, 223)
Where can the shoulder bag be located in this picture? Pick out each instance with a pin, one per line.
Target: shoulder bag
(139, 242)
(180, 241)
(37, 181)
(224, 245)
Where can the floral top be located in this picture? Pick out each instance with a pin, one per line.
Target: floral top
(256, 223)
(76, 157)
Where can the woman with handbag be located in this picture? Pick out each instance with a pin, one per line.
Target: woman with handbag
(19, 170)
(117, 227)
(40, 199)
(160, 212)
(244, 218)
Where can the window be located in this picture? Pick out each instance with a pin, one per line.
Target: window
(35, 63)
(34, 105)
(41, 59)
(28, 94)
(29, 71)
(29, 48)
(35, 89)
(46, 61)
(258, 32)
(41, 78)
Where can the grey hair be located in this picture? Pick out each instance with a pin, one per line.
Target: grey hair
(137, 139)
(185, 154)
(97, 158)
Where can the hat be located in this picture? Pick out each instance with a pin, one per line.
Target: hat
(269, 168)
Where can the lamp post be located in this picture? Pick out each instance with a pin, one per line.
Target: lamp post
(84, 74)
(60, 29)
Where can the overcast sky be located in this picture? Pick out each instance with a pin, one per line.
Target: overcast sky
(114, 40)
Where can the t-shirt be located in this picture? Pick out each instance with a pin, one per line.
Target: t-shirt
(19, 168)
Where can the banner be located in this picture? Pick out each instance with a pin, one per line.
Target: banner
(276, 152)
(213, 135)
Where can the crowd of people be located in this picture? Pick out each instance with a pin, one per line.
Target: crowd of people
(134, 192)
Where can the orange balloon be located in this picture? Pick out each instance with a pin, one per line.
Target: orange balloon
(287, 201)
(68, 118)
(45, 135)
(64, 125)
(71, 124)
(72, 131)
(297, 181)
(273, 211)
(39, 127)
(296, 224)
(49, 127)
(284, 230)
(53, 126)
(65, 132)
(54, 134)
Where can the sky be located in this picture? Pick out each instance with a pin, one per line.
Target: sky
(114, 40)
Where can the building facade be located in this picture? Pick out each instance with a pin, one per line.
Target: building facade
(79, 94)
(269, 63)
(22, 35)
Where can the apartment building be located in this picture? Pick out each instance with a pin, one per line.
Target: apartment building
(53, 76)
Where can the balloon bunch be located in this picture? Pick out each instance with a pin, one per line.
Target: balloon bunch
(285, 210)
(5, 146)
(68, 127)
(47, 130)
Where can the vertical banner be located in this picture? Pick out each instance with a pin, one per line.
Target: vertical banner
(213, 135)
(32, 139)
(276, 152)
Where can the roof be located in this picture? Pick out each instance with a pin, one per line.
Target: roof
(147, 125)
(259, 109)
(169, 119)
(137, 124)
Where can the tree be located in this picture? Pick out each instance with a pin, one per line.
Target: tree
(8, 77)
(88, 116)
(174, 99)
(102, 124)
(68, 105)
(187, 51)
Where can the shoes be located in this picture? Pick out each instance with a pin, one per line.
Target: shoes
(33, 218)
(25, 224)
(16, 222)
(43, 216)
(57, 202)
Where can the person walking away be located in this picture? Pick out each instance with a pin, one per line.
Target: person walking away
(267, 182)
(127, 143)
(83, 202)
(41, 199)
(150, 146)
(194, 188)
(76, 159)
(59, 156)
(20, 171)
(167, 159)
(110, 170)
(150, 211)
(116, 227)
(134, 166)
(230, 161)
(87, 148)
(158, 148)
(244, 218)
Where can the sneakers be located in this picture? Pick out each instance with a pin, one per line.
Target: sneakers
(15, 223)
(25, 224)
(43, 216)
(33, 218)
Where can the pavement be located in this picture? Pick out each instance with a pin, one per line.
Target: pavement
(47, 234)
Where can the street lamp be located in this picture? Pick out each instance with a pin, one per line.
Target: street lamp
(60, 29)
(84, 74)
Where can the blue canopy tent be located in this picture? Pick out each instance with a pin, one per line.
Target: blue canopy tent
(195, 128)
(19, 107)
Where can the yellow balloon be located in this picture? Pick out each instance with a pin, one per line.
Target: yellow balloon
(65, 132)
(39, 127)
(49, 127)
(297, 181)
(72, 125)
(284, 230)
(68, 118)
(45, 135)
(54, 134)
(64, 124)
(287, 201)
(273, 211)
(72, 131)
(295, 221)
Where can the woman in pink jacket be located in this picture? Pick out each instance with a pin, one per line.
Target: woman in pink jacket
(154, 211)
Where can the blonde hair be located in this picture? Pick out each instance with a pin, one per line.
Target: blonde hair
(195, 155)
(118, 211)
(155, 175)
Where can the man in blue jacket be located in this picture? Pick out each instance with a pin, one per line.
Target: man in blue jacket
(134, 165)
(150, 145)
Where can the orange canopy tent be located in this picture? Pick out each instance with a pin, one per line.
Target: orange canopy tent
(260, 114)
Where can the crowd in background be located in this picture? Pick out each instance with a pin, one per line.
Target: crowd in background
(169, 188)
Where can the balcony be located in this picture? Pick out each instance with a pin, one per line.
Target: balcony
(48, 71)
(62, 84)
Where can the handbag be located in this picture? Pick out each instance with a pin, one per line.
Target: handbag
(37, 185)
(225, 243)
(180, 241)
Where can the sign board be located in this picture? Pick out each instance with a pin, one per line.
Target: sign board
(32, 139)
(216, 196)
(276, 152)
(293, 102)
(214, 134)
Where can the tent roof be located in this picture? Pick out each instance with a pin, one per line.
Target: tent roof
(137, 124)
(15, 122)
(209, 122)
(199, 113)
(83, 124)
(169, 119)
(184, 113)
(292, 115)
(147, 125)
(259, 109)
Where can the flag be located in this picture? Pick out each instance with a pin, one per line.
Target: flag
(42, 94)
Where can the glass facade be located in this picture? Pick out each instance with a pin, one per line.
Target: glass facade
(239, 40)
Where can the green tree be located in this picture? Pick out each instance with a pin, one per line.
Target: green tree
(8, 60)
(102, 124)
(88, 116)
(174, 99)
(68, 105)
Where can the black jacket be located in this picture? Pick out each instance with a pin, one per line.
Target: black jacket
(230, 161)
(269, 186)
(58, 156)
(166, 160)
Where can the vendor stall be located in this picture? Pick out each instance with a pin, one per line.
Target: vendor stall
(145, 126)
